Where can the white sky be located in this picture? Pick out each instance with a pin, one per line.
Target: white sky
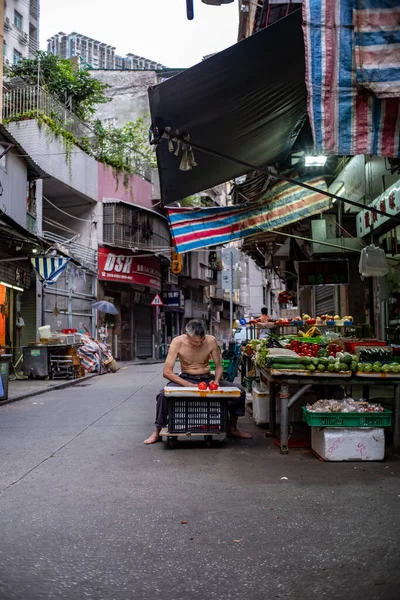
(156, 29)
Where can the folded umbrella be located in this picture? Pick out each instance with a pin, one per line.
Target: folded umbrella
(105, 307)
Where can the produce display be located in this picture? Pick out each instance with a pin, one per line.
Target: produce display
(378, 367)
(377, 354)
(344, 406)
(343, 363)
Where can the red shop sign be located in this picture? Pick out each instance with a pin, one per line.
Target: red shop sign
(121, 265)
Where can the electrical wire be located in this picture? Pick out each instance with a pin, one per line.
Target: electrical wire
(345, 231)
(68, 214)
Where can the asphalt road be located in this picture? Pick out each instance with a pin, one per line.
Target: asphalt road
(89, 512)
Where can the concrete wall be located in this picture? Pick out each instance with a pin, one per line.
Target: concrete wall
(138, 191)
(256, 288)
(12, 36)
(13, 177)
(78, 171)
(128, 94)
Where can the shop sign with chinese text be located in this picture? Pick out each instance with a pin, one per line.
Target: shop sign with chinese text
(388, 202)
(123, 266)
(174, 299)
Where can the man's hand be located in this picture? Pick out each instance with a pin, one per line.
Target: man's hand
(189, 384)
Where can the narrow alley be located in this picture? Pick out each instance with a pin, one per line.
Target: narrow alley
(88, 511)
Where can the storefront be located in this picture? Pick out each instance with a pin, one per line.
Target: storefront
(16, 313)
(130, 282)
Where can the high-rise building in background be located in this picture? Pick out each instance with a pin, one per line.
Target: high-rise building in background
(21, 29)
(96, 54)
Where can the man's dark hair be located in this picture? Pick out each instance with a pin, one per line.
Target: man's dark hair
(264, 311)
(196, 327)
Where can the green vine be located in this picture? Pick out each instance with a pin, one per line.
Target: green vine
(124, 149)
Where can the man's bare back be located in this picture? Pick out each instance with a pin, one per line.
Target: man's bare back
(194, 359)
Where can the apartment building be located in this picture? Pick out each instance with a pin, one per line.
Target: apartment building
(96, 54)
(21, 29)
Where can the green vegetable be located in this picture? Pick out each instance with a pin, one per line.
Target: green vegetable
(354, 367)
(346, 359)
(386, 369)
(336, 366)
(344, 366)
(323, 353)
(324, 361)
(321, 368)
(315, 362)
(376, 369)
(305, 360)
(311, 367)
(331, 367)
(287, 366)
(361, 367)
(367, 368)
(395, 368)
(284, 359)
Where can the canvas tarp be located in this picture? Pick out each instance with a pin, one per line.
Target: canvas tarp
(247, 102)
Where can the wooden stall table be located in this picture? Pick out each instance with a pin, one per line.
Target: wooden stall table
(279, 383)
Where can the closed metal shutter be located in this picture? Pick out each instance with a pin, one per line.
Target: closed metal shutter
(325, 300)
(144, 331)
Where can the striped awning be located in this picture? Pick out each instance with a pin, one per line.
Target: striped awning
(49, 268)
(283, 204)
(353, 75)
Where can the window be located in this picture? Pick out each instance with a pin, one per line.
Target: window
(18, 20)
(17, 56)
(4, 50)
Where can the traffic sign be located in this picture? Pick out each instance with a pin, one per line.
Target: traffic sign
(230, 257)
(157, 301)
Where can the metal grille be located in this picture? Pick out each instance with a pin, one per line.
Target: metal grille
(325, 300)
(127, 227)
(197, 416)
(144, 331)
(23, 100)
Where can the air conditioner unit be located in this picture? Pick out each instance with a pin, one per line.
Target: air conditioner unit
(23, 37)
(7, 24)
(170, 278)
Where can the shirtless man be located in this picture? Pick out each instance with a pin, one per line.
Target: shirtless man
(193, 350)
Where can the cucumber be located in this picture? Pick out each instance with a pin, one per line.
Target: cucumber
(287, 366)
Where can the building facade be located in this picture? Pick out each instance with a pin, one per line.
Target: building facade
(21, 30)
(96, 54)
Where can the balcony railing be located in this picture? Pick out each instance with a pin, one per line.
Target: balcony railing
(87, 257)
(25, 101)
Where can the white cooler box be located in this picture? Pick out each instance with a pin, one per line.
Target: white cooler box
(339, 444)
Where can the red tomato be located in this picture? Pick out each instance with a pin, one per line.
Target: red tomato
(213, 386)
(202, 385)
(315, 346)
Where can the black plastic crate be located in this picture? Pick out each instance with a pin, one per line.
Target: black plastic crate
(200, 415)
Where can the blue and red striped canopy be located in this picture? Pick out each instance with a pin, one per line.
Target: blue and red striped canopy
(285, 203)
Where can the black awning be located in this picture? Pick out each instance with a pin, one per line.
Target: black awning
(248, 102)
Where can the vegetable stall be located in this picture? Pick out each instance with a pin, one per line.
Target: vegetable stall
(290, 365)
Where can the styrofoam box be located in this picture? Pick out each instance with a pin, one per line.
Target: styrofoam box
(260, 405)
(358, 443)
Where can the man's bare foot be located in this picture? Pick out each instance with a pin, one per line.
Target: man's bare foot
(239, 434)
(155, 437)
